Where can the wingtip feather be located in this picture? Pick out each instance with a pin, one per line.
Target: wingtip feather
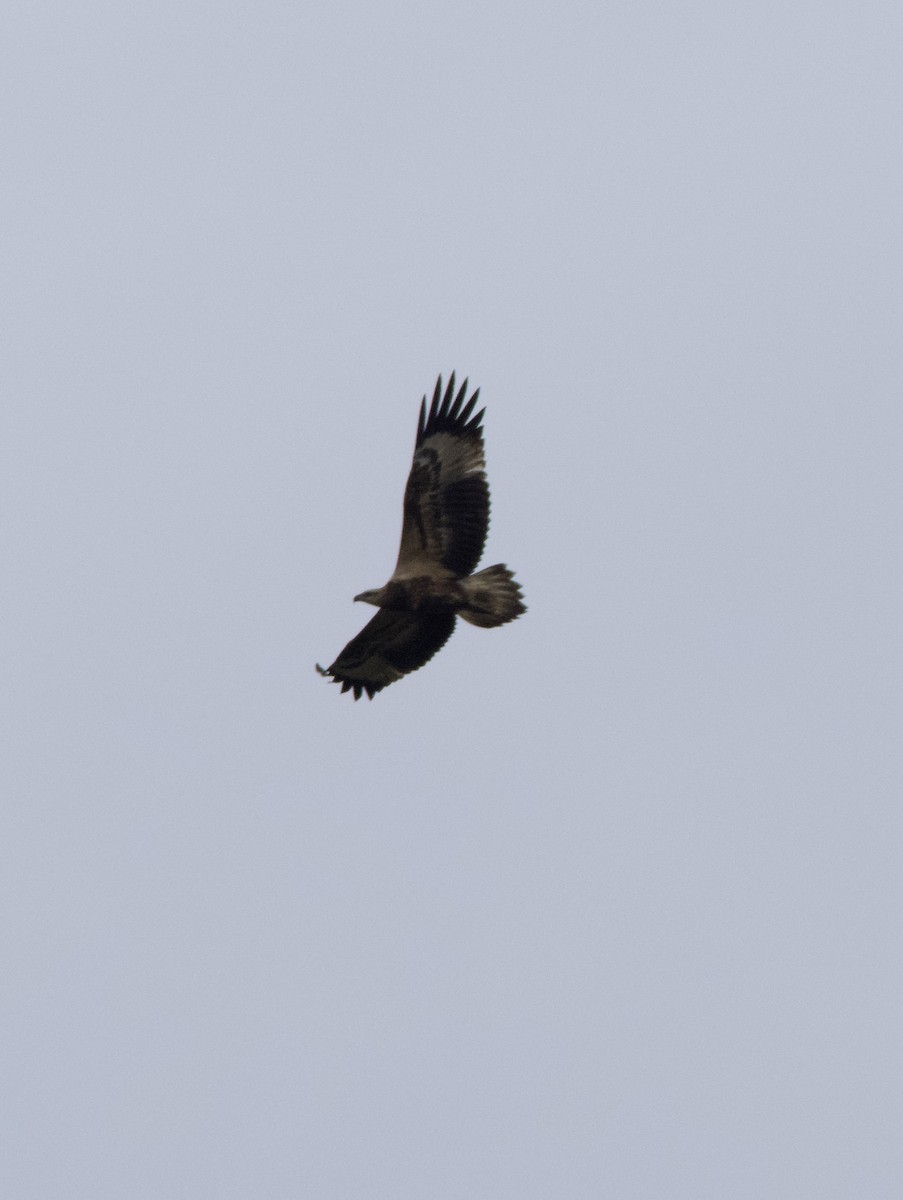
(450, 411)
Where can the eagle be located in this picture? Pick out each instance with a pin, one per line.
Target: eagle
(445, 521)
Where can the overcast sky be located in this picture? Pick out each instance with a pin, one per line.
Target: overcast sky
(606, 902)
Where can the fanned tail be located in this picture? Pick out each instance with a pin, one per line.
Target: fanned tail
(493, 597)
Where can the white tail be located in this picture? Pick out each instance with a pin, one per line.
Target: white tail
(493, 597)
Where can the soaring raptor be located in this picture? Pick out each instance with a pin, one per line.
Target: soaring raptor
(446, 516)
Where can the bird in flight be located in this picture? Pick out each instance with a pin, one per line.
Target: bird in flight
(446, 517)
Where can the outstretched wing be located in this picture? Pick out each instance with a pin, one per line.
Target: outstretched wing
(446, 501)
(388, 647)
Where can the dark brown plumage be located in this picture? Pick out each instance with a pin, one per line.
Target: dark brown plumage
(446, 518)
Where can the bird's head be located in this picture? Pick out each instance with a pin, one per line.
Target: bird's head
(371, 596)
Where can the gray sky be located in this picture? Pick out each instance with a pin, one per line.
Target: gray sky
(604, 903)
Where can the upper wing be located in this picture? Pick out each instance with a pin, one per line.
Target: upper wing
(388, 647)
(446, 501)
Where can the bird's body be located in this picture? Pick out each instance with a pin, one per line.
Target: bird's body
(446, 518)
